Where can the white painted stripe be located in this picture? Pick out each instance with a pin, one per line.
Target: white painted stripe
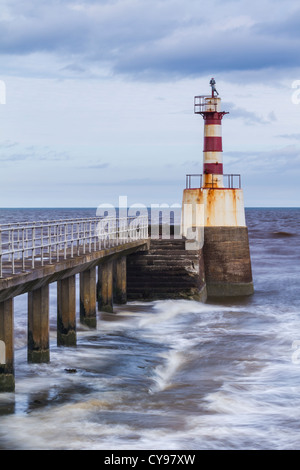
(212, 157)
(212, 130)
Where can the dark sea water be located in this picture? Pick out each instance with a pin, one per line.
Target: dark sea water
(171, 374)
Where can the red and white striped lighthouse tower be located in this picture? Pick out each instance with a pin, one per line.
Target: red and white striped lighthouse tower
(212, 151)
(217, 207)
(210, 108)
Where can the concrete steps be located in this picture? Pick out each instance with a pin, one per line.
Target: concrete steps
(167, 270)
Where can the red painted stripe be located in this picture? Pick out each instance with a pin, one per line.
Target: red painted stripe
(212, 144)
(213, 168)
(213, 121)
(213, 115)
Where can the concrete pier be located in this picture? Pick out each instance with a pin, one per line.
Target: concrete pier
(38, 325)
(66, 312)
(7, 379)
(88, 297)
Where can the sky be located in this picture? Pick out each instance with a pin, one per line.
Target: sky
(96, 99)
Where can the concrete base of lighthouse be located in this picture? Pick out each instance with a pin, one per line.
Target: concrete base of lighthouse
(221, 215)
(227, 261)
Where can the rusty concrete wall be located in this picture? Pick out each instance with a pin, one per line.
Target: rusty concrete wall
(213, 208)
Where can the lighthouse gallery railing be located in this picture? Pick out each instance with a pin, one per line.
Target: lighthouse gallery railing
(231, 181)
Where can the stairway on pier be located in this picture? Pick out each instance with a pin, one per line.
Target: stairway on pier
(166, 271)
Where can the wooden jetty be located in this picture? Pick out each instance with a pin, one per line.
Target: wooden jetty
(116, 260)
(34, 255)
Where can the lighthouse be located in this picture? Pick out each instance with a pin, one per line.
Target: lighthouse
(213, 205)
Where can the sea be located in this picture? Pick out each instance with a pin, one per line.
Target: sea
(170, 374)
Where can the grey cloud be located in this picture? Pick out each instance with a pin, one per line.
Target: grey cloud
(34, 154)
(131, 182)
(97, 166)
(208, 53)
(273, 161)
(249, 117)
(73, 68)
(14, 157)
(191, 164)
(283, 28)
(290, 136)
(8, 144)
(148, 39)
(104, 31)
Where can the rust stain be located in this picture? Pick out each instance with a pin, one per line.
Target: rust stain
(210, 206)
(222, 206)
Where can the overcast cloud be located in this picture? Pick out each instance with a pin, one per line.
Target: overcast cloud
(154, 38)
(103, 91)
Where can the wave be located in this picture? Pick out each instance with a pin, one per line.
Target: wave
(164, 373)
(282, 234)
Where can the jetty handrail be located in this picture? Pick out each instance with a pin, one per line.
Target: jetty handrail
(45, 242)
(31, 223)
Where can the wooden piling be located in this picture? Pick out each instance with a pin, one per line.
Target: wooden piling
(106, 298)
(88, 297)
(7, 378)
(38, 325)
(66, 312)
(121, 283)
(99, 288)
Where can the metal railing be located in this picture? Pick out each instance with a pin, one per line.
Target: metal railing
(207, 104)
(200, 104)
(190, 178)
(230, 181)
(27, 245)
